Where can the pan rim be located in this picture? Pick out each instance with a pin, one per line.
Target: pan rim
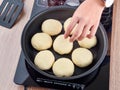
(92, 69)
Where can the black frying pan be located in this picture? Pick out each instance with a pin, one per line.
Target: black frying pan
(61, 14)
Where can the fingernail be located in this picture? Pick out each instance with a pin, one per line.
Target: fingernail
(65, 36)
(88, 36)
(71, 40)
(79, 39)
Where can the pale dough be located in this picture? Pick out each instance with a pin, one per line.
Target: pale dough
(63, 67)
(82, 57)
(88, 43)
(44, 60)
(62, 45)
(66, 23)
(52, 27)
(41, 41)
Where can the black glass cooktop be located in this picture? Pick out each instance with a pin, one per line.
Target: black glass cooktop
(98, 81)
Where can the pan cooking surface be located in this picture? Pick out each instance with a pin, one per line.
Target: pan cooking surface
(57, 56)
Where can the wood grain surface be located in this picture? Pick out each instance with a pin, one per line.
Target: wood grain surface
(115, 49)
(10, 50)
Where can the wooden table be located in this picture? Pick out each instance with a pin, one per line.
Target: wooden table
(10, 50)
(115, 49)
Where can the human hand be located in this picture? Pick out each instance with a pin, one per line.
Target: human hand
(87, 16)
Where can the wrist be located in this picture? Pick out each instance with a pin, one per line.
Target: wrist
(98, 3)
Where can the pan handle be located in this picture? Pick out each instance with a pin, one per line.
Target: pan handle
(37, 7)
(59, 84)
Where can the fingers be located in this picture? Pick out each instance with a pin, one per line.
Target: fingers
(93, 31)
(81, 30)
(84, 32)
(78, 31)
(72, 24)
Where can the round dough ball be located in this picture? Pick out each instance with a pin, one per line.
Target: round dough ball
(62, 45)
(63, 67)
(88, 42)
(44, 60)
(51, 27)
(66, 23)
(41, 41)
(82, 57)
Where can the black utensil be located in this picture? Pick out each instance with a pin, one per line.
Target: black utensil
(9, 12)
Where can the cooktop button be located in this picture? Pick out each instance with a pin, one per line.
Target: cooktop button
(48, 82)
(39, 80)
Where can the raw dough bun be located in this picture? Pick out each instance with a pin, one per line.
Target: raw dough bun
(66, 23)
(88, 43)
(44, 60)
(62, 45)
(52, 27)
(63, 67)
(41, 41)
(82, 57)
